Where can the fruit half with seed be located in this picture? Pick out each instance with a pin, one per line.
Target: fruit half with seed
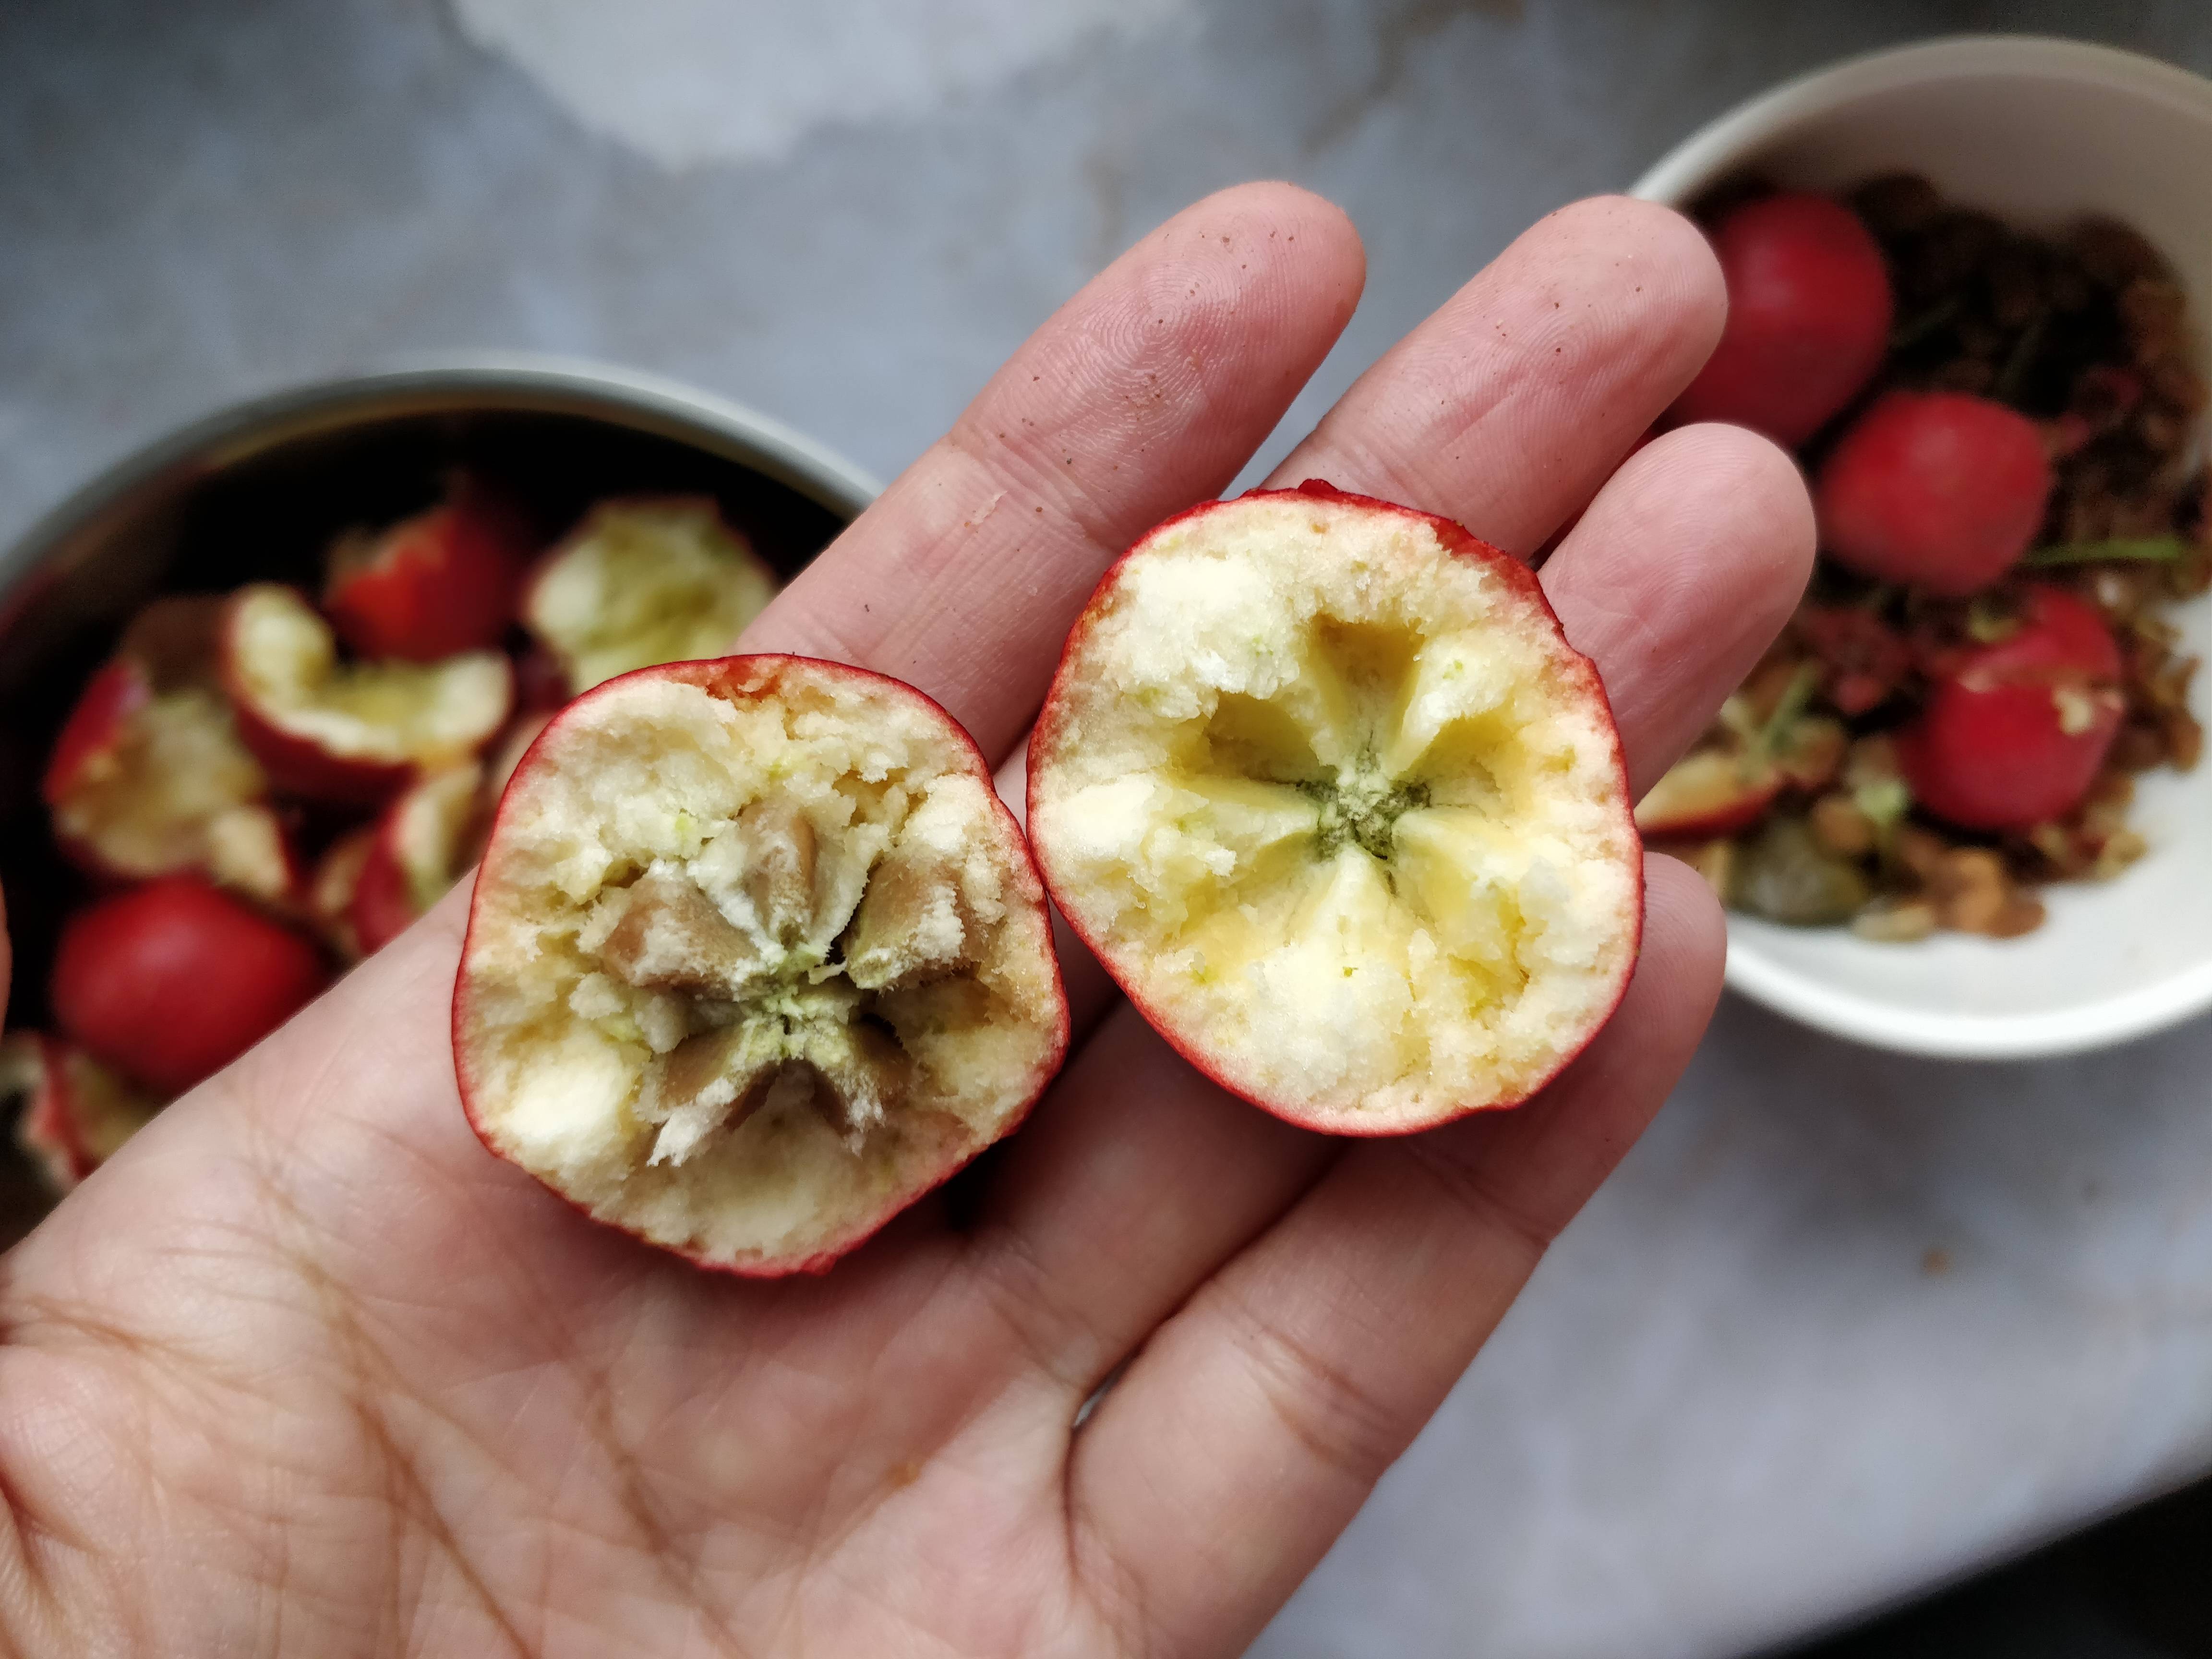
(354, 731)
(73, 1114)
(1330, 795)
(644, 580)
(755, 958)
(149, 777)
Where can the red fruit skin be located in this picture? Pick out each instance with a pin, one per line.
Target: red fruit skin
(1990, 749)
(747, 677)
(1936, 488)
(95, 725)
(1809, 311)
(1736, 802)
(75, 1113)
(433, 586)
(170, 981)
(384, 905)
(382, 908)
(48, 1127)
(1583, 673)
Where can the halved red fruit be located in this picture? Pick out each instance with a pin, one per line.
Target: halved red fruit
(420, 846)
(756, 958)
(1728, 782)
(1711, 792)
(334, 886)
(645, 580)
(349, 732)
(149, 776)
(73, 1113)
(1325, 788)
(433, 585)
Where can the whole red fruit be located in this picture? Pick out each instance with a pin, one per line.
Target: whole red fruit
(171, 981)
(2013, 733)
(1936, 488)
(1809, 309)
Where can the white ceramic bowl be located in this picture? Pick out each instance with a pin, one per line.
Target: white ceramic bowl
(2038, 131)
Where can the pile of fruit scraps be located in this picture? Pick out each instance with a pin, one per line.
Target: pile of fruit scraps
(1997, 428)
(264, 789)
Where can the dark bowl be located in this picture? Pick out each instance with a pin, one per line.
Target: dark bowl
(257, 491)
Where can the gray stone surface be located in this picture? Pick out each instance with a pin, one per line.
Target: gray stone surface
(1845, 1322)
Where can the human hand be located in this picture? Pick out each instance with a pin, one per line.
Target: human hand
(306, 1369)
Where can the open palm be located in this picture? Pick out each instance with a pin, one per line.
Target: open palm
(306, 1370)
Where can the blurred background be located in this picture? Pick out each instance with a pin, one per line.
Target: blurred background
(1847, 1325)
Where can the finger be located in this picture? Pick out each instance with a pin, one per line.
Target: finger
(1507, 408)
(1261, 1415)
(1145, 393)
(1678, 577)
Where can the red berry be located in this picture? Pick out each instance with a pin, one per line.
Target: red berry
(1936, 488)
(172, 981)
(1809, 310)
(2013, 733)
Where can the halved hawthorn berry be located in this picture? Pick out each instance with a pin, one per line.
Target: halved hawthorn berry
(433, 586)
(149, 776)
(417, 848)
(73, 1113)
(349, 732)
(641, 581)
(755, 958)
(1332, 797)
(332, 889)
(1728, 782)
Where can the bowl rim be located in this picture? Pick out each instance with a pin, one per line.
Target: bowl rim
(1701, 159)
(429, 382)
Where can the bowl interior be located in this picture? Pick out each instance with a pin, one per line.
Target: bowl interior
(259, 494)
(2041, 132)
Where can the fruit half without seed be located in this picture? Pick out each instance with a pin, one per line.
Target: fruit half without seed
(644, 580)
(1325, 787)
(755, 958)
(149, 776)
(349, 732)
(74, 1113)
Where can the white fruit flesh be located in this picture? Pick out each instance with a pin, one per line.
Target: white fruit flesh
(282, 660)
(647, 582)
(1342, 810)
(176, 790)
(331, 891)
(746, 974)
(430, 831)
